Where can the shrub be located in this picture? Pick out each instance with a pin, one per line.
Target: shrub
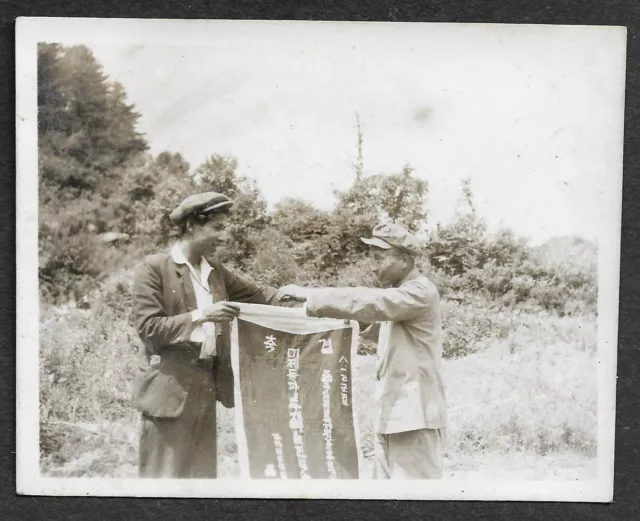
(274, 263)
(468, 327)
(87, 364)
(533, 391)
(525, 384)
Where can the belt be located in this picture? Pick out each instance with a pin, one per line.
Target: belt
(205, 363)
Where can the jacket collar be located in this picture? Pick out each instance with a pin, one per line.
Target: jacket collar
(178, 256)
(412, 275)
(185, 272)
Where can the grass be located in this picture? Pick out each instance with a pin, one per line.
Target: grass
(521, 401)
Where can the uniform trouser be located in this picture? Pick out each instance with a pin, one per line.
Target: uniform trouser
(183, 447)
(409, 455)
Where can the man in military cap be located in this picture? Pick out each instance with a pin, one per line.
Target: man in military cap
(182, 310)
(405, 311)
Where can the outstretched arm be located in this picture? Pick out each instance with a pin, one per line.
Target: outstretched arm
(369, 305)
(242, 289)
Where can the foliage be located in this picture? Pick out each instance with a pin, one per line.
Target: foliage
(219, 173)
(273, 263)
(95, 179)
(519, 321)
(467, 262)
(545, 362)
(85, 127)
(398, 198)
(86, 138)
(149, 193)
(76, 348)
(325, 244)
(548, 363)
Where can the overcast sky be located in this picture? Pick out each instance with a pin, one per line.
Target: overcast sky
(532, 115)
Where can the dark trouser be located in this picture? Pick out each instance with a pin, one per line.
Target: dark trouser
(183, 447)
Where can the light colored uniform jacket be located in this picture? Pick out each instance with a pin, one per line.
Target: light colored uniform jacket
(411, 393)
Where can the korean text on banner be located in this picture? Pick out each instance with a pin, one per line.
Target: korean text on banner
(293, 387)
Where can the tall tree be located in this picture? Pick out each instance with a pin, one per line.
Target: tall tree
(51, 100)
(86, 128)
(462, 244)
(219, 173)
(151, 190)
(87, 140)
(398, 198)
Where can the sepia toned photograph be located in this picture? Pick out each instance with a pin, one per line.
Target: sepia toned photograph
(317, 259)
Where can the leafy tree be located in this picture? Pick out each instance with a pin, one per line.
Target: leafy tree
(153, 189)
(86, 128)
(325, 244)
(299, 219)
(87, 139)
(459, 246)
(398, 198)
(219, 173)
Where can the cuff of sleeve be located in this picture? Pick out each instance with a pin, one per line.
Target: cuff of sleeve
(197, 334)
(197, 315)
(308, 305)
(186, 324)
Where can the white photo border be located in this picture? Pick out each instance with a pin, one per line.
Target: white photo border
(29, 481)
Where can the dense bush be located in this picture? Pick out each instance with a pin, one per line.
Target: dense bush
(469, 327)
(87, 364)
(533, 391)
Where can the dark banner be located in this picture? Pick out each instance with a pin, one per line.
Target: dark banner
(295, 416)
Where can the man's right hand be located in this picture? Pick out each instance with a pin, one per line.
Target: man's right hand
(219, 312)
(292, 292)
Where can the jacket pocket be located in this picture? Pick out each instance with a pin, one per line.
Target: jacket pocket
(158, 394)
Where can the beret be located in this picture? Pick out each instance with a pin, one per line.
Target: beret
(204, 204)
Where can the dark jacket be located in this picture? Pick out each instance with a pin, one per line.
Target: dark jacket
(163, 298)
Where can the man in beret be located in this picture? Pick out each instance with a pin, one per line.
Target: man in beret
(181, 312)
(405, 311)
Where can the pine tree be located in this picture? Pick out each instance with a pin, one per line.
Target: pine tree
(87, 141)
(86, 128)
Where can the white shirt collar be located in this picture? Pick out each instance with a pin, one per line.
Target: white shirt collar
(178, 256)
